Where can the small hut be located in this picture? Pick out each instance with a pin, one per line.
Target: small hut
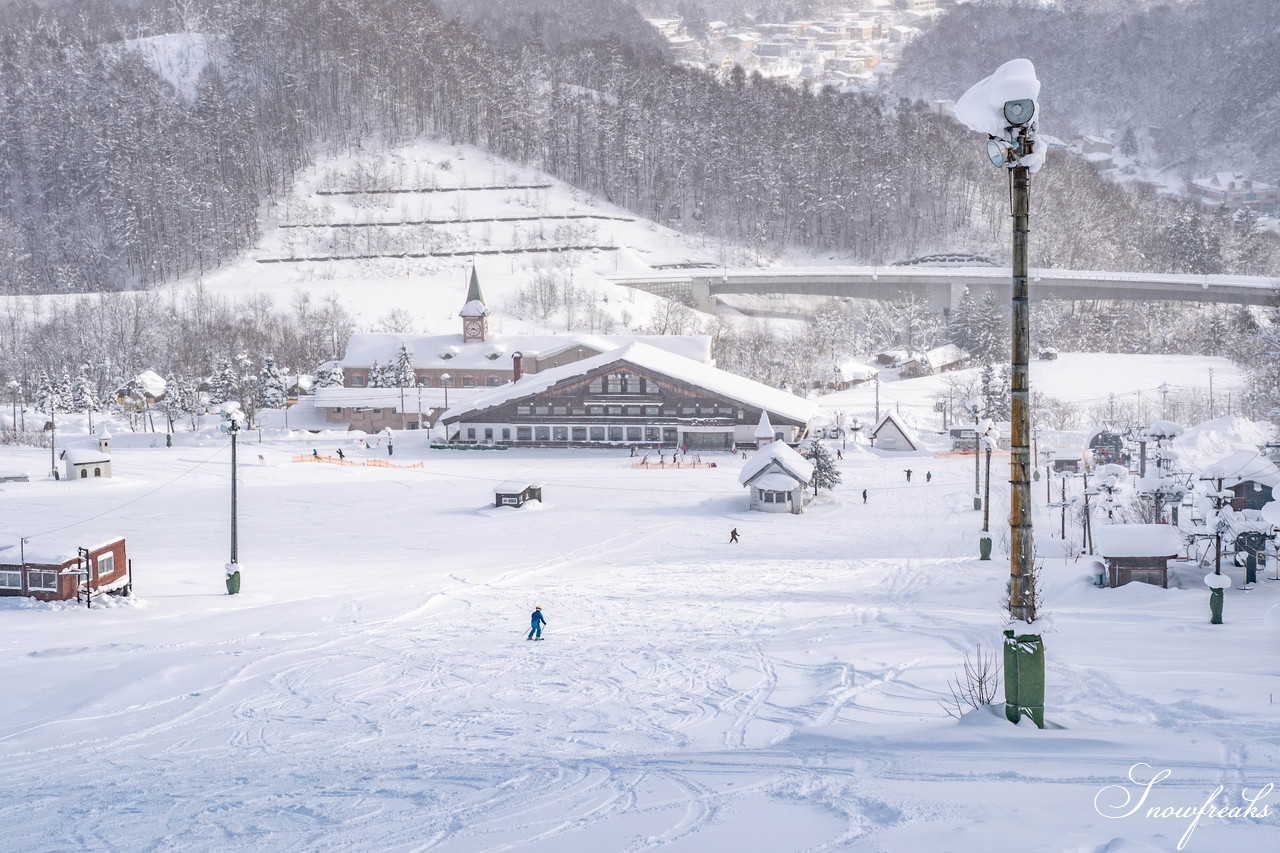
(892, 434)
(515, 493)
(1137, 552)
(777, 477)
(58, 571)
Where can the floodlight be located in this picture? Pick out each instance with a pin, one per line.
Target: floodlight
(1000, 152)
(1019, 112)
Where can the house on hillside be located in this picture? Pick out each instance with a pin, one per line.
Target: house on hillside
(633, 395)
(1235, 191)
(61, 570)
(1137, 552)
(892, 434)
(778, 478)
(145, 389)
(450, 368)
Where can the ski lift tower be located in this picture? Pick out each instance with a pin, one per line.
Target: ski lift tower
(1004, 107)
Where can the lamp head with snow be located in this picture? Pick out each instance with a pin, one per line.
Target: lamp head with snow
(1019, 112)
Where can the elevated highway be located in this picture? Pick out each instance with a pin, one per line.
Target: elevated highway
(943, 287)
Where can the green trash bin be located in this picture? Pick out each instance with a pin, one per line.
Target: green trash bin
(1024, 677)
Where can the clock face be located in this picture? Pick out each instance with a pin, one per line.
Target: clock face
(472, 329)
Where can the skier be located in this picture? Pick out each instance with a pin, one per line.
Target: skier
(341, 455)
(535, 624)
(314, 455)
(928, 476)
(733, 535)
(864, 495)
(908, 475)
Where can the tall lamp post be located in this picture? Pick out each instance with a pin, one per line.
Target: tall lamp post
(1004, 107)
(233, 417)
(445, 379)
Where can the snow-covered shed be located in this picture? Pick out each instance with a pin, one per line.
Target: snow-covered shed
(145, 388)
(1251, 477)
(778, 478)
(56, 572)
(515, 493)
(1137, 552)
(892, 434)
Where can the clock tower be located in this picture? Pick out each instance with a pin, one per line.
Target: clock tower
(474, 314)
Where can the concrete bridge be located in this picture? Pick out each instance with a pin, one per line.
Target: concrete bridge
(943, 287)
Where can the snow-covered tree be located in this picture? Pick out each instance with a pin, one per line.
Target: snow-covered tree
(825, 473)
(46, 398)
(329, 376)
(402, 374)
(64, 390)
(377, 377)
(82, 397)
(271, 387)
(223, 384)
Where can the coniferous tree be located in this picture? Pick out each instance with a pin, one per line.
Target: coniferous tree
(82, 397)
(271, 384)
(402, 373)
(825, 473)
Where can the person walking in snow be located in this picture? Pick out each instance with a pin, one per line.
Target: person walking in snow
(536, 621)
(864, 495)
(839, 454)
(928, 476)
(908, 475)
(733, 535)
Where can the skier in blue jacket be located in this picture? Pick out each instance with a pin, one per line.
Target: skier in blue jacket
(536, 623)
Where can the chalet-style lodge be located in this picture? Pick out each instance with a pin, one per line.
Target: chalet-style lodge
(558, 390)
(636, 395)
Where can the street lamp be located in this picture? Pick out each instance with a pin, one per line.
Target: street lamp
(993, 106)
(444, 380)
(233, 417)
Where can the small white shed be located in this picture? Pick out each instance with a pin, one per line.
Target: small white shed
(778, 478)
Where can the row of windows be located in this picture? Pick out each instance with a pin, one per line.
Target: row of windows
(46, 580)
(633, 411)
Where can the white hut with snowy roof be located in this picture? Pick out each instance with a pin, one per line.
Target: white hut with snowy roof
(892, 434)
(89, 460)
(1252, 478)
(778, 478)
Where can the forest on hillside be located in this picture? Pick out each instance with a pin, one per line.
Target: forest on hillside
(110, 178)
(1195, 84)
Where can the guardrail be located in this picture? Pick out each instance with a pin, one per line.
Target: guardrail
(371, 463)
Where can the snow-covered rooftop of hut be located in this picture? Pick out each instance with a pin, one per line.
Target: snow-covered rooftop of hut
(43, 553)
(1244, 466)
(448, 352)
(1137, 540)
(642, 355)
(513, 487)
(781, 454)
(85, 455)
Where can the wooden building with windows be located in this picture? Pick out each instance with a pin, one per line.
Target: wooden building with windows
(1137, 552)
(56, 572)
(637, 395)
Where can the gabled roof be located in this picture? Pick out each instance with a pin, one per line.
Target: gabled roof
(896, 422)
(1137, 540)
(777, 457)
(730, 386)
(764, 429)
(85, 455)
(449, 352)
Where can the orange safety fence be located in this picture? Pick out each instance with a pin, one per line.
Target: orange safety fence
(660, 465)
(371, 463)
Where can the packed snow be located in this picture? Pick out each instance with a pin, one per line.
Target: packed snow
(370, 688)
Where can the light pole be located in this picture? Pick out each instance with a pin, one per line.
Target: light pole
(13, 392)
(234, 417)
(1004, 107)
(444, 380)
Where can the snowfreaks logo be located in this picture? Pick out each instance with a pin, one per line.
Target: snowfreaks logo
(1118, 801)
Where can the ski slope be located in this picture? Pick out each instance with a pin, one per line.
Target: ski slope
(370, 688)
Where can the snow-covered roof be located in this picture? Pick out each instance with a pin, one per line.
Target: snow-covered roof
(642, 355)
(776, 457)
(512, 487)
(85, 455)
(940, 357)
(777, 481)
(42, 552)
(764, 429)
(1244, 466)
(907, 433)
(981, 108)
(448, 352)
(1137, 540)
